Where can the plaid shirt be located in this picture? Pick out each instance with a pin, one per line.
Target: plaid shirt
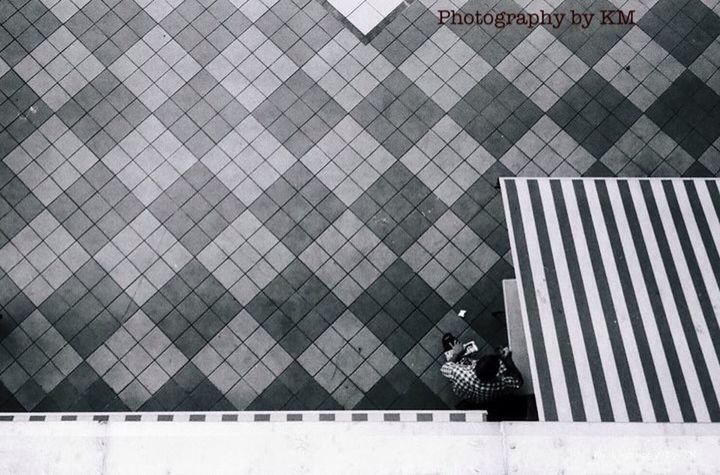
(466, 384)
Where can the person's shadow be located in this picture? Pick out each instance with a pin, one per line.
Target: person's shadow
(513, 407)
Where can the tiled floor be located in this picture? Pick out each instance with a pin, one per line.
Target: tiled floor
(230, 204)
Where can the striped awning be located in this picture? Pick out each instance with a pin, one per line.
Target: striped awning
(618, 283)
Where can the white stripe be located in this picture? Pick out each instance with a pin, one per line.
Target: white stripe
(612, 378)
(545, 311)
(703, 260)
(523, 304)
(668, 302)
(686, 282)
(645, 307)
(617, 295)
(567, 294)
(709, 210)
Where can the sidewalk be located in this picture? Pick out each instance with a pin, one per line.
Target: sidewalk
(355, 447)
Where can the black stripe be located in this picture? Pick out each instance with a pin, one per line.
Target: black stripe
(676, 288)
(626, 381)
(712, 186)
(703, 226)
(705, 232)
(712, 254)
(656, 303)
(699, 286)
(629, 292)
(524, 276)
(565, 345)
(583, 309)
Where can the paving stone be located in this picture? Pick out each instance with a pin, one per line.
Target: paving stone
(271, 206)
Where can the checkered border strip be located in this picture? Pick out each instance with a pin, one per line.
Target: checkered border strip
(243, 416)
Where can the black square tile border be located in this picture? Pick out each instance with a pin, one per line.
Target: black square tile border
(249, 416)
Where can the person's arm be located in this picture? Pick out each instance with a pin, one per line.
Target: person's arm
(458, 350)
(512, 381)
(449, 369)
(511, 376)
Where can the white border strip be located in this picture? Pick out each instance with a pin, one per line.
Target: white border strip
(243, 416)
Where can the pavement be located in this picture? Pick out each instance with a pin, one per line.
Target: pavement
(265, 205)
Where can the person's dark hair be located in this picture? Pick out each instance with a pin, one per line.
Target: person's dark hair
(487, 367)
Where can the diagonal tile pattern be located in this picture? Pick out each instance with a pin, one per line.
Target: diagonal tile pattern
(283, 204)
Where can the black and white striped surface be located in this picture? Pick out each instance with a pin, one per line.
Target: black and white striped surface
(250, 416)
(618, 283)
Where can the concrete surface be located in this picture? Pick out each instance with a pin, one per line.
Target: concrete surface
(516, 334)
(339, 447)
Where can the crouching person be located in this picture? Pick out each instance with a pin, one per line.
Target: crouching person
(480, 382)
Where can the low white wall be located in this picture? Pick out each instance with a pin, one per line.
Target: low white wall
(365, 447)
(609, 448)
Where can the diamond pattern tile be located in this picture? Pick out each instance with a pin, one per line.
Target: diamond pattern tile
(58, 68)
(693, 28)
(592, 43)
(272, 204)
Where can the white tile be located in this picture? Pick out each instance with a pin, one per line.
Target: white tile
(365, 18)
